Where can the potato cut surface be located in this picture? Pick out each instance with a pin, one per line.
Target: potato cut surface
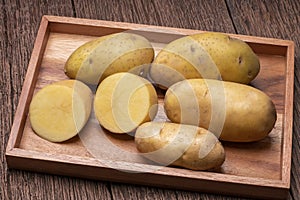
(123, 101)
(59, 111)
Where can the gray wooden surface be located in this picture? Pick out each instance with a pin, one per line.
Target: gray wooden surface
(19, 22)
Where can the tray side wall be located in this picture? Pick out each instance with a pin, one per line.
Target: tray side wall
(288, 120)
(165, 181)
(29, 85)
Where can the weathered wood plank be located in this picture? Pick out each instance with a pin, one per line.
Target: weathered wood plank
(19, 22)
(5, 105)
(278, 19)
(200, 15)
(127, 192)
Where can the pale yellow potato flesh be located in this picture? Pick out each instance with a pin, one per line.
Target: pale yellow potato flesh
(123, 101)
(97, 59)
(205, 55)
(60, 110)
(234, 112)
(181, 145)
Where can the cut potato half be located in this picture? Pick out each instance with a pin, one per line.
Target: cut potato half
(123, 101)
(59, 111)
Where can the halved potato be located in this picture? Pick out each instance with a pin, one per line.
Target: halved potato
(123, 101)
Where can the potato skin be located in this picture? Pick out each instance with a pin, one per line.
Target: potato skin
(248, 113)
(206, 55)
(121, 52)
(179, 145)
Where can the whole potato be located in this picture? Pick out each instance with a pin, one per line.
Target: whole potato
(181, 145)
(97, 59)
(235, 112)
(206, 55)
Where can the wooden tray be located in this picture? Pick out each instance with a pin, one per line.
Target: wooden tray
(259, 169)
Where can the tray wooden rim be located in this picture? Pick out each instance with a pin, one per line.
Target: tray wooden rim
(53, 23)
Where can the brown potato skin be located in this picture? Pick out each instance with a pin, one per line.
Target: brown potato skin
(208, 55)
(156, 137)
(95, 60)
(250, 114)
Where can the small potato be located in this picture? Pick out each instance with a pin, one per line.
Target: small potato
(179, 145)
(97, 59)
(123, 101)
(234, 112)
(205, 55)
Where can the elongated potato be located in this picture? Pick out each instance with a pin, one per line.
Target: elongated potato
(123, 101)
(97, 59)
(179, 145)
(205, 55)
(59, 111)
(235, 112)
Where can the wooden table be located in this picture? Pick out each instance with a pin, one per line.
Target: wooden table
(19, 25)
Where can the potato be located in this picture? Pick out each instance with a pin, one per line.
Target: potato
(97, 59)
(59, 111)
(235, 112)
(179, 145)
(123, 101)
(206, 55)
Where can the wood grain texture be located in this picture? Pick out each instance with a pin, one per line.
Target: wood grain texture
(278, 19)
(19, 22)
(5, 105)
(200, 15)
(128, 192)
